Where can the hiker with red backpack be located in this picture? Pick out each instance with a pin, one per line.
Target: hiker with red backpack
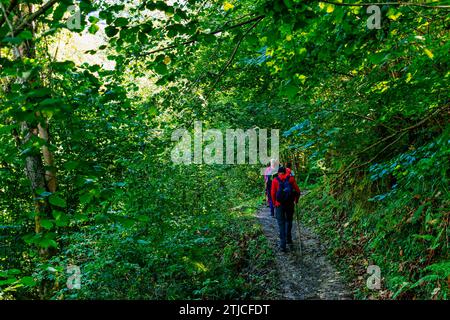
(268, 177)
(285, 193)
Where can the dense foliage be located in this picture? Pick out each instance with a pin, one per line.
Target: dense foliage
(86, 173)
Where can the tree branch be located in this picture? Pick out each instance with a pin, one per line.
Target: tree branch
(233, 54)
(11, 28)
(384, 149)
(400, 133)
(5, 15)
(10, 8)
(358, 115)
(262, 16)
(362, 4)
(258, 18)
(28, 19)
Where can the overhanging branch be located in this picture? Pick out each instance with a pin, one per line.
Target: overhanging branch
(230, 60)
(366, 4)
(258, 18)
(28, 19)
(398, 134)
(8, 10)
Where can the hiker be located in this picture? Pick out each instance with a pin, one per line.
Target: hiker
(285, 192)
(268, 177)
(289, 169)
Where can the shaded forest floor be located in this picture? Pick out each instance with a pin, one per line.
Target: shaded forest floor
(304, 271)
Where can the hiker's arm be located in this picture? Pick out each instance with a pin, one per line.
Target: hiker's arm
(273, 191)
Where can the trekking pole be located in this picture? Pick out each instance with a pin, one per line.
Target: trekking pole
(297, 212)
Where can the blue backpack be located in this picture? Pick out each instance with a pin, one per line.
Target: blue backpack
(285, 192)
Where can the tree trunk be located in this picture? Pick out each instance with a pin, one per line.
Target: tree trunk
(39, 166)
(50, 171)
(34, 170)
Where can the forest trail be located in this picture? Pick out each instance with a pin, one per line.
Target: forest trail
(304, 274)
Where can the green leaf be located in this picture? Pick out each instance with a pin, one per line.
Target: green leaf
(93, 19)
(101, 218)
(427, 278)
(442, 268)
(393, 14)
(86, 198)
(418, 213)
(93, 28)
(50, 102)
(47, 224)
(58, 13)
(119, 184)
(142, 37)
(12, 40)
(377, 58)
(28, 281)
(63, 221)
(161, 68)
(7, 281)
(111, 31)
(14, 271)
(121, 22)
(152, 111)
(63, 65)
(46, 243)
(426, 237)
(57, 201)
(290, 91)
(71, 164)
(81, 217)
(25, 35)
(143, 218)
(45, 194)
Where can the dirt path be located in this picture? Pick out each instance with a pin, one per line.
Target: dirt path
(305, 271)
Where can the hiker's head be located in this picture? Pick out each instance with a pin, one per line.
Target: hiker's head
(289, 165)
(274, 163)
(282, 170)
